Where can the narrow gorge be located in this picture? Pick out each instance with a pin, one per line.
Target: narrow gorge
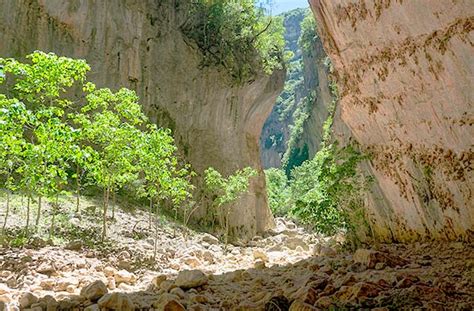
(266, 155)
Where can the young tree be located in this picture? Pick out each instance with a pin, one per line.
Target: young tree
(13, 115)
(41, 86)
(226, 191)
(110, 122)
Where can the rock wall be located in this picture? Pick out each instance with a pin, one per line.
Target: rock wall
(405, 72)
(138, 44)
(310, 78)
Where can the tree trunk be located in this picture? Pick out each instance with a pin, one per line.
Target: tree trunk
(55, 210)
(27, 215)
(113, 204)
(104, 215)
(155, 247)
(38, 214)
(6, 217)
(78, 190)
(151, 214)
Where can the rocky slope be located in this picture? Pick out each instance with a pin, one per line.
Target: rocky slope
(138, 44)
(405, 71)
(286, 269)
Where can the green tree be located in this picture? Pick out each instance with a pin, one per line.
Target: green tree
(225, 191)
(110, 121)
(41, 85)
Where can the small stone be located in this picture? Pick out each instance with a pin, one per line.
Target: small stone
(299, 305)
(111, 283)
(166, 285)
(327, 251)
(259, 254)
(192, 261)
(109, 271)
(27, 299)
(94, 307)
(125, 277)
(209, 239)
(370, 258)
(324, 302)
(168, 302)
(260, 264)
(177, 291)
(294, 242)
(48, 284)
(157, 280)
(6, 298)
(94, 290)
(46, 268)
(4, 289)
(190, 279)
(116, 301)
(74, 245)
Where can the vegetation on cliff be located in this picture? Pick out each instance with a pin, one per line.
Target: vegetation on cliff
(236, 35)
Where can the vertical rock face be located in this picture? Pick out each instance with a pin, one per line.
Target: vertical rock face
(406, 76)
(311, 79)
(138, 44)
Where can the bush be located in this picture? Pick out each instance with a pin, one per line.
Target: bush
(278, 191)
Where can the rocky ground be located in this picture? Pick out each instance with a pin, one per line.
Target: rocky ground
(288, 269)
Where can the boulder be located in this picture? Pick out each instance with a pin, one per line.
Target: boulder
(116, 301)
(94, 290)
(191, 278)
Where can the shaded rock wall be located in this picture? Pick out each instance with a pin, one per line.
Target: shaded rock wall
(405, 72)
(311, 78)
(138, 44)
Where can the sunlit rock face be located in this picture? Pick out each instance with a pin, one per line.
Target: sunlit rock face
(405, 71)
(138, 44)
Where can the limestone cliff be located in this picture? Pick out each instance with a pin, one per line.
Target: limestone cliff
(406, 71)
(138, 44)
(307, 91)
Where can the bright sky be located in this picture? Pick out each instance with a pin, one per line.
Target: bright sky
(287, 5)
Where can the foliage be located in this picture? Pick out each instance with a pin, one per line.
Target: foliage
(300, 116)
(229, 189)
(225, 191)
(278, 191)
(326, 189)
(49, 136)
(308, 35)
(236, 35)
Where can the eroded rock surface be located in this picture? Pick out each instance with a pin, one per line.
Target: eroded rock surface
(405, 71)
